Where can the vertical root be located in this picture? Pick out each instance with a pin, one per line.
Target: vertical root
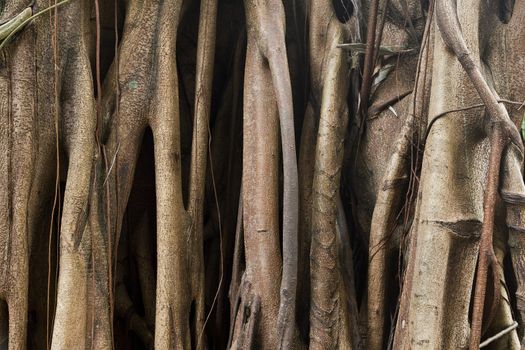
(269, 26)
(383, 222)
(260, 175)
(15, 276)
(173, 288)
(174, 297)
(389, 203)
(329, 318)
(500, 130)
(199, 154)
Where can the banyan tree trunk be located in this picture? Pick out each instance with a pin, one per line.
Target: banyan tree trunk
(277, 174)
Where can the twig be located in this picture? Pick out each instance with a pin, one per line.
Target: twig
(507, 330)
(460, 109)
(56, 200)
(14, 23)
(112, 163)
(24, 23)
(486, 250)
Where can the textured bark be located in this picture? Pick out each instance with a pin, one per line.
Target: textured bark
(180, 174)
(330, 321)
(392, 207)
(465, 134)
(47, 72)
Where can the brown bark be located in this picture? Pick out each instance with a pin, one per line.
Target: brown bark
(128, 127)
(330, 321)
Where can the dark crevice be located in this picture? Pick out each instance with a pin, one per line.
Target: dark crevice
(343, 9)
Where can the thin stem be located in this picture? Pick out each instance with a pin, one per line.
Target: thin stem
(498, 335)
(24, 23)
(486, 250)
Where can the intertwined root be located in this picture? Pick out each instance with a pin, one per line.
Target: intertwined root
(179, 272)
(93, 200)
(268, 99)
(434, 186)
(31, 144)
(333, 322)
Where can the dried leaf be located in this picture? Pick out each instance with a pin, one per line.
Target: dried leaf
(392, 110)
(381, 75)
(383, 50)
